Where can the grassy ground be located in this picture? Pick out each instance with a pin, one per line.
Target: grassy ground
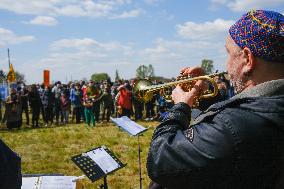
(49, 149)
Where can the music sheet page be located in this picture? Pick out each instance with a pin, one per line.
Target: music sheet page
(103, 159)
(58, 182)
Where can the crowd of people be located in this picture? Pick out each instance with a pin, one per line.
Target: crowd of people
(90, 102)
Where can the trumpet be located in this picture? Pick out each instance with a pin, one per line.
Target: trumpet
(144, 91)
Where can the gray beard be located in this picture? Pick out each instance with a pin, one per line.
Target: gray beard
(238, 84)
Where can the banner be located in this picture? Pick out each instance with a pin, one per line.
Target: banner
(11, 75)
(3, 91)
(46, 77)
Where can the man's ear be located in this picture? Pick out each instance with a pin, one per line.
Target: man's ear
(249, 60)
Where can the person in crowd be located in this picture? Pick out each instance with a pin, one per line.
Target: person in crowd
(84, 88)
(150, 112)
(236, 143)
(84, 92)
(57, 90)
(41, 91)
(48, 104)
(65, 106)
(113, 94)
(161, 106)
(107, 103)
(138, 106)
(72, 99)
(13, 110)
(24, 94)
(97, 99)
(89, 115)
(94, 93)
(35, 104)
(76, 96)
(123, 100)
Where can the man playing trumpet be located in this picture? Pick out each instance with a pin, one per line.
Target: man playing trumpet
(237, 143)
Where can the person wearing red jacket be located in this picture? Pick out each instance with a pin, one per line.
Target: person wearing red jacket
(124, 100)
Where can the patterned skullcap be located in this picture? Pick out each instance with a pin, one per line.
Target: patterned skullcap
(262, 32)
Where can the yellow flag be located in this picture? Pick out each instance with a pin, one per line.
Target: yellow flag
(11, 75)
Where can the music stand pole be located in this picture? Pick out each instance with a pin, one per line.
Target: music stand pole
(105, 183)
(139, 159)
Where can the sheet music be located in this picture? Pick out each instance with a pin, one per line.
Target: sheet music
(58, 182)
(29, 182)
(103, 159)
(130, 126)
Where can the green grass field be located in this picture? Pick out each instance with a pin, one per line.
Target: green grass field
(49, 149)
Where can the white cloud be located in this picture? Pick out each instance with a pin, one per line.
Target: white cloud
(43, 20)
(152, 2)
(128, 14)
(90, 45)
(245, 5)
(219, 1)
(204, 31)
(9, 37)
(74, 8)
(73, 43)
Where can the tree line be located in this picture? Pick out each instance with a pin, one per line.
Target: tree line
(143, 72)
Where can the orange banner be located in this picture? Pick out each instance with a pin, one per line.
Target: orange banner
(11, 77)
(46, 77)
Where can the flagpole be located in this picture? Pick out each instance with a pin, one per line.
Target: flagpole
(8, 86)
(9, 57)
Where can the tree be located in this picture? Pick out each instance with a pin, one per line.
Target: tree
(116, 75)
(3, 76)
(97, 77)
(20, 77)
(207, 65)
(144, 71)
(151, 71)
(141, 72)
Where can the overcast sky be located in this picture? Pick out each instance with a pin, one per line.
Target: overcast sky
(76, 38)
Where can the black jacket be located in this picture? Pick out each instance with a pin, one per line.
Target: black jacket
(10, 168)
(237, 143)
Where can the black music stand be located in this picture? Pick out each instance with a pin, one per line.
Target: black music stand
(98, 163)
(133, 129)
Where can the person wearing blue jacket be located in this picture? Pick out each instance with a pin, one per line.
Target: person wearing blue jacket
(236, 143)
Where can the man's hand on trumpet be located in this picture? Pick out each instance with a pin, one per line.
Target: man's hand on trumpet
(192, 71)
(190, 97)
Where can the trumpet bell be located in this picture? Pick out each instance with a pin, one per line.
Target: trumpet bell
(140, 90)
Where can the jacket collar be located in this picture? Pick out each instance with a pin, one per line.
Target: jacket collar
(266, 89)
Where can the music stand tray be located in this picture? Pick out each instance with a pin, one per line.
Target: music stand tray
(126, 124)
(97, 163)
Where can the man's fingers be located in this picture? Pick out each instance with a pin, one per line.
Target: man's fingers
(183, 70)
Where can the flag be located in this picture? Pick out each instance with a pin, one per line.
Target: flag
(46, 77)
(11, 75)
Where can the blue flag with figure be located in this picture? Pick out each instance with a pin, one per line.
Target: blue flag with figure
(3, 91)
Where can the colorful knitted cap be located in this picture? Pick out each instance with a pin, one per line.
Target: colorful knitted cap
(262, 32)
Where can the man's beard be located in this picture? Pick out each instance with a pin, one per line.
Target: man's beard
(238, 84)
(238, 80)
